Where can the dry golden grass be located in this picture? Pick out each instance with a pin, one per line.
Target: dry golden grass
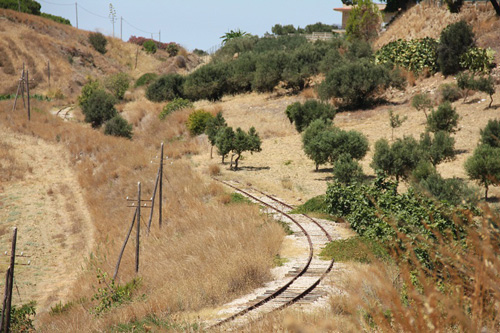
(213, 170)
(10, 168)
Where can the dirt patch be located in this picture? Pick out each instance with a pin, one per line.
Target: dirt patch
(55, 233)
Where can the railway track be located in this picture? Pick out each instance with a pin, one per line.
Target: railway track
(302, 280)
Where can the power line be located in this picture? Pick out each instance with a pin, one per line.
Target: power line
(88, 11)
(146, 32)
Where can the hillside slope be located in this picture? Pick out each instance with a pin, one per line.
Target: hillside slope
(35, 41)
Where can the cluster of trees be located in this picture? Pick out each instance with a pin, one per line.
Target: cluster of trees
(98, 100)
(229, 141)
(281, 30)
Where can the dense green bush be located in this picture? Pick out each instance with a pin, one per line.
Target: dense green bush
(87, 90)
(172, 49)
(454, 6)
(98, 42)
(118, 126)
(56, 18)
(117, 84)
(27, 6)
(150, 47)
(414, 55)
(207, 82)
(268, 71)
(99, 107)
(455, 40)
(437, 148)
(166, 87)
(200, 53)
(450, 92)
(346, 170)
(174, 105)
(146, 79)
(303, 114)
(357, 82)
(445, 118)
(490, 135)
(213, 127)
(197, 122)
(398, 159)
(241, 72)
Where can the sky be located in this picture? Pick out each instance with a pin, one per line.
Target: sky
(192, 23)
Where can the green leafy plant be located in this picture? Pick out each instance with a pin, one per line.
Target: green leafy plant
(117, 84)
(422, 102)
(22, 317)
(172, 49)
(478, 60)
(149, 46)
(454, 6)
(197, 122)
(56, 18)
(303, 114)
(232, 35)
(450, 92)
(398, 159)
(346, 170)
(484, 166)
(118, 126)
(395, 122)
(490, 135)
(98, 42)
(213, 126)
(174, 105)
(207, 82)
(112, 294)
(363, 21)
(437, 148)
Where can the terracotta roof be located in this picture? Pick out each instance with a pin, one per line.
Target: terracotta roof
(346, 8)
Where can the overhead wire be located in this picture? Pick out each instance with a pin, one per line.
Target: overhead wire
(58, 4)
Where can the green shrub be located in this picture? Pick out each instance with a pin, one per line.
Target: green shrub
(166, 87)
(200, 53)
(118, 126)
(56, 18)
(22, 317)
(112, 294)
(241, 72)
(346, 170)
(213, 127)
(174, 105)
(303, 114)
(438, 148)
(172, 49)
(490, 135)
(117, 84)
(149, 46)
(98, 108)
(268, 71)
(478, 60)
(207, 82)
(455, 40)
(414, 55)
(450, 92)
(445, 118)
(87, 90)
(357, 82)
(454, 6)
(354, 249)
(398, 159)
(452, 190)
(484, 166)
(363, 21)
(27, 6)
(146, 79)
(98, 42)
(197, 122)
(485, 84)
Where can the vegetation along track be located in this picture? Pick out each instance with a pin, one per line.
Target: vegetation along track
(303, 280)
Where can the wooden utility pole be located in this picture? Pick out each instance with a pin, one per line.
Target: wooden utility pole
(138, 227)
(153, 201)
(28, 93)
(160, 201)
(496, 6)
(76, 10)
(48, 71)
(9, 282)
(123, 246)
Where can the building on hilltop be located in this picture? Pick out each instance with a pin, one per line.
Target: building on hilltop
(346, 10)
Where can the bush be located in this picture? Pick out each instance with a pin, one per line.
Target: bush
(484, 166)
(452, 190)
(98, 42)
(176, 104)
(445, 118)
(207, 82)
(398, 159)
(87, 90)
(27, 6)
(268, 71)
(303, 114)
(490, 135)
(146, 79)
(422, 102)
(478, 60)
(413, 55)
(439, 148)
(454, 6)
(149, 46)
(166, 87)
(241, 74)
(449, 92)
(98, 108)
(118, 126)
(346, 170)
(172, 49)
(363, 21)
(22, 317)
(455, 40)
(56, 18)
(197, 122)
(200, 53)
(357, 82)
(117, 84)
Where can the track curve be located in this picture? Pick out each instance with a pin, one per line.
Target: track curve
(302, 282)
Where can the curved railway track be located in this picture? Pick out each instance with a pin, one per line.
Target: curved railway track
(303, 280)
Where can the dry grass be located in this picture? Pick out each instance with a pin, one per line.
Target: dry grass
(10, 168)
(213, 170)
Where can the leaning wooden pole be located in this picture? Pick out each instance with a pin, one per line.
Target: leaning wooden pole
(5, 297)
(496, 6)
(28, 93)
(137, 241)
(123, 246)
(9, 283)
(153, 200)
(160, 201)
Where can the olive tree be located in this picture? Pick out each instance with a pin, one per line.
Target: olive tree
(484, 166)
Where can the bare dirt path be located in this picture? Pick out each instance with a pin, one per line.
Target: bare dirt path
(54, 226)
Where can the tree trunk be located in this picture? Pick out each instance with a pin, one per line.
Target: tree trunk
(425, 115)
(223, 159)
(496, 6)
(317, 167)
(211, 150)
(491, 101)
(236, 162)
(486, 193)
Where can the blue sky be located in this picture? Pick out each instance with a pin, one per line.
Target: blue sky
(193, 23)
